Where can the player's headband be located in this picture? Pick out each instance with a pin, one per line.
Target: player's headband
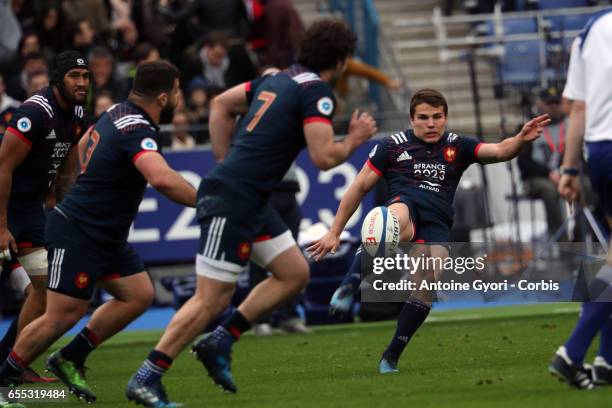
(63, 63)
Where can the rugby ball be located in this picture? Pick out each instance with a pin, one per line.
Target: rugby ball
(380, 232)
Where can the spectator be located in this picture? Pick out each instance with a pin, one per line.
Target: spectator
(101, 66)
(126, 41)
(539, 162)
(276, 31)
(83, 36)
(7, 106)
(180, 139)
(17, 85)
(29, 44)
(37, 81)
(212, 63)
(228, 17)
(10, 32)
(94, 12)
(103, 101)
(50, 27)
(197, 107)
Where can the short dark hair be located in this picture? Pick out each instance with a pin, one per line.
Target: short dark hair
(216, 38)
(153, 78)
(429, 96)
(325, 44)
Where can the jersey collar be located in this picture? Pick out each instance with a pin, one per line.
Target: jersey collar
(144, 113)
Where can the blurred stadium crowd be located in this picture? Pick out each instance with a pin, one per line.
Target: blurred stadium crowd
(216, 45)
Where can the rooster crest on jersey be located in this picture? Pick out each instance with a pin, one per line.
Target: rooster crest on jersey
(380, 232)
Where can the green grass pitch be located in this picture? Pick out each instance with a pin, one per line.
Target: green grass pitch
(475, 358)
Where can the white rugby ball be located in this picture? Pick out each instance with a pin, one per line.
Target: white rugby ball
(380, 232)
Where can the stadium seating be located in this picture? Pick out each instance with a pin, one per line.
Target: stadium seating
(567, 23)
(521, 63)
(555, 4)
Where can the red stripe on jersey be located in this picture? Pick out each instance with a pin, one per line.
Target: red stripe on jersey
(248, 86)
(374, 169)
(15, 265)
(140, 153)
(110, 277)
(476, 149)
(315, 119)
(420, 241)
(25, 245)
(263, 238)
(19, 135)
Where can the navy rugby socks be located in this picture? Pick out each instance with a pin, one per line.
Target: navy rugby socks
(353, 276)
(79, 348)
(12, 367)
(234, 325)
(153, 368)
(410, 319)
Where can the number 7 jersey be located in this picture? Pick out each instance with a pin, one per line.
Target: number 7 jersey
(269, 137)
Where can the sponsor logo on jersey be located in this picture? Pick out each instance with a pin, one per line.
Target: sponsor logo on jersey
(51, 135)
(450, 154)
(24, 125)
(404, 156)
(325, 106)
(81, 280)
(373, 151)
(148, 144)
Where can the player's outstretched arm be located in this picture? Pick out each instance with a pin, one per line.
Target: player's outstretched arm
(509, 148)
(364, 182)
(166, 180)
(223, 111)
(13, 151)
(325, 152)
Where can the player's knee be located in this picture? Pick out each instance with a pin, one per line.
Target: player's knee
(142, 299)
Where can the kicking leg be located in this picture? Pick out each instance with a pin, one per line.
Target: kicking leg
(342, 299)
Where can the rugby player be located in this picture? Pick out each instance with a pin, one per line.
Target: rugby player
(86, 234)
(422, 167)
(283, 114)
(38, 151)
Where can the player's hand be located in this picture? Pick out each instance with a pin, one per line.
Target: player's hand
(327, 243)
(362, 126)
(534, 128)
(569, 187)
(7, 242)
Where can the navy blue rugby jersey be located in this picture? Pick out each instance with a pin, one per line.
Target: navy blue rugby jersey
(429, 173)
(105, 198)
(50, 132)
(270, 136)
